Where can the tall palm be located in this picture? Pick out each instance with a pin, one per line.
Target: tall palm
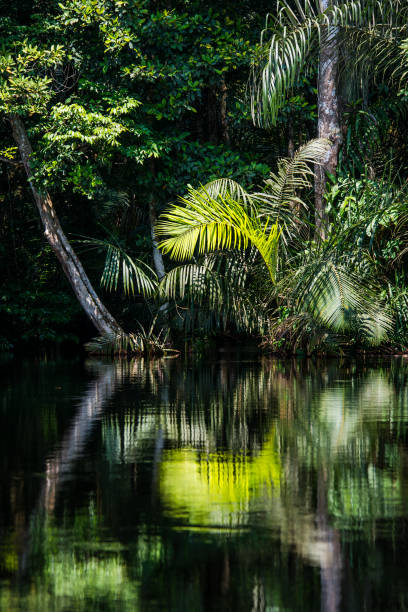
(359, 38)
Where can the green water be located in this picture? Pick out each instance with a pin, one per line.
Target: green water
(231, 484)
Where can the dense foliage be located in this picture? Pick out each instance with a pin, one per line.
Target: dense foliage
(132, 104)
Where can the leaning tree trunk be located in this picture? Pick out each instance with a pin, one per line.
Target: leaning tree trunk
(328, 115)
(90, 302)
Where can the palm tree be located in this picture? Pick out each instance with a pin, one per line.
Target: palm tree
(358, 39)
(321, 294)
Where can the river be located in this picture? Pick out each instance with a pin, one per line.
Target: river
(231, 483)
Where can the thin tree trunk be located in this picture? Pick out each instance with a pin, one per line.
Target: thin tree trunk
(328, 115)
(223, 113)
(157, 256)
(74, 271)
(291, 140)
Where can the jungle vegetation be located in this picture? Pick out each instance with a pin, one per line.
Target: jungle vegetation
(176, 171)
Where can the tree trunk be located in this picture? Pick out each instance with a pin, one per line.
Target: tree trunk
(291, 140)
(157, 256)
(90, 302)
(328, 115)
(223, 113)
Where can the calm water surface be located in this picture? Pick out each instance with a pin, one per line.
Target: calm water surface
(232, 484)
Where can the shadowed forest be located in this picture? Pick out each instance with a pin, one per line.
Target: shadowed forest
(174, 173)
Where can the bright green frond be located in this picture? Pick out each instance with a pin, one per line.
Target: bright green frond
(224, 187)
(208, 224)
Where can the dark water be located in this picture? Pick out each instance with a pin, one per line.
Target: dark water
(226, 485)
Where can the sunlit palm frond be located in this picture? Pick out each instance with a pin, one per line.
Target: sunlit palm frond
(215, 292)
(208, 224)
(136, 276)
(225, 186)
(283, 60)
(281, 201)
(183, 279)
(198, 279)
(294, 174)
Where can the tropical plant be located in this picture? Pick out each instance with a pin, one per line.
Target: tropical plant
(368, 34)
(357, 40)
(330, 304)
(135, 274)
(143, 343)
(217, 291)
(322, 291)
(221, 215)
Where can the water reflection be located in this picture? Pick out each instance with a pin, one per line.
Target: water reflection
(60, 463)
(229, 485)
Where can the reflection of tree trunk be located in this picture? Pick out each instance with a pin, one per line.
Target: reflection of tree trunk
(330, 573)
(158, 450)
(73, 269)
(258, 597)
(60, 464)
(72, 446)
(226, 574)
(328, 115)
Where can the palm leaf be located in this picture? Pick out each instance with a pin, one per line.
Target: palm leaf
(224, 187)
(136, 275)
(374, 30)
(281, 201)
(215, 292)
(182, 279)
(208, 224)
(341, 301)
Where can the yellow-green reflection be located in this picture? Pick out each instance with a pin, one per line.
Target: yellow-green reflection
(215, 489)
